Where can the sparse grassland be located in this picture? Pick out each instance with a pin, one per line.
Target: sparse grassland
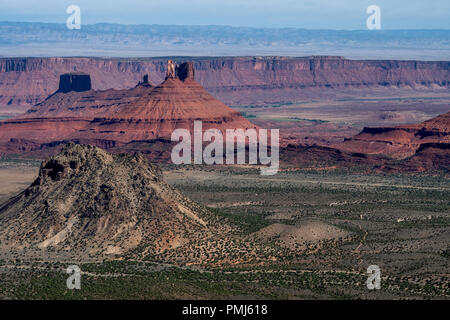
(398, 222)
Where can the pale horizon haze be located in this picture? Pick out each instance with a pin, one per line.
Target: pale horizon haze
(309, 14)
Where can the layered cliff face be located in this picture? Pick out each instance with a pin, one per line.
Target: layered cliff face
(233, 80)
(28, 81)
(402, 141)
(113, 117)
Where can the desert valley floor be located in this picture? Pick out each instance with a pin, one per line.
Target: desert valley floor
(346, 221)
(346, 196)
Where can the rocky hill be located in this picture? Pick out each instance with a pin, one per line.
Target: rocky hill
(89, 202)
(233, 80)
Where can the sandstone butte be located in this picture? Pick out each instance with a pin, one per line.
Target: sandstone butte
(111, 117)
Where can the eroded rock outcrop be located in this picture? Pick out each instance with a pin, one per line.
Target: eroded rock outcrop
(170, 74)
(123, 116)
(401, 141)
(185, 71)
(88, 202)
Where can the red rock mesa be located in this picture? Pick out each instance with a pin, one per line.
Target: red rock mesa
(113, 117)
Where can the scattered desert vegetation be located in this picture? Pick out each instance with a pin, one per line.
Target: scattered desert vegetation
(298, 234)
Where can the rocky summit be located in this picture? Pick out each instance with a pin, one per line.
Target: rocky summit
(88, 202)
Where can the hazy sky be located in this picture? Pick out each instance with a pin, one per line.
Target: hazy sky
(313, 14)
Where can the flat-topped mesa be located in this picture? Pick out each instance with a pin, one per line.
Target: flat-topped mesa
(74, 82)
(185, 71)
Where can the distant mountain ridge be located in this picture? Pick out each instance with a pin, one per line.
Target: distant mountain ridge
(105, 39)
